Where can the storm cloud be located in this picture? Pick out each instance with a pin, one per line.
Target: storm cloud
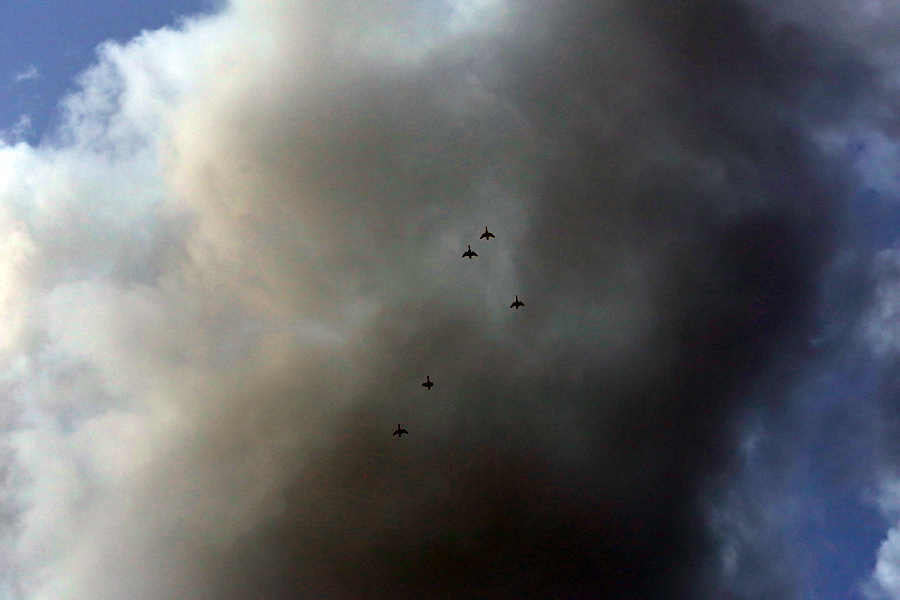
(228, 272)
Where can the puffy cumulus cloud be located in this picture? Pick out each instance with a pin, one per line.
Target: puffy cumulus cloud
(234, 263)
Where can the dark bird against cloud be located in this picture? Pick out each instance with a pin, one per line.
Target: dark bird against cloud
(210, 329)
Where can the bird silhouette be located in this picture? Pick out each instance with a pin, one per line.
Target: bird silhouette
(428, 383)
(469, 253)
(400, 431)
(517, 303)
(487, 234)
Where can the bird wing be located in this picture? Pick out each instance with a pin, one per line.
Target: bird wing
(404, 431)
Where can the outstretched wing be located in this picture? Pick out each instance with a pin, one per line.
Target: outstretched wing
(404, 431)
(513, 305)
(473, 254)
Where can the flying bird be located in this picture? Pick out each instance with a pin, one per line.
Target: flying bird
(517, 303)
(428, 383)
(487, 234)
(400, 431)
(469, 253)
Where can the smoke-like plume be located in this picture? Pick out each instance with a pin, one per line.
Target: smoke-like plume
(228, 273)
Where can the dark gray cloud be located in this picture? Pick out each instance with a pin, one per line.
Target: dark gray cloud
(670, 175)
(661, 205)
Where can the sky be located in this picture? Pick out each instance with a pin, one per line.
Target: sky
(232, 238)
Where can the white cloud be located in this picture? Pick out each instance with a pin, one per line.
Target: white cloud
(882, 332)
(882, 327)
(120, 339)
(18, 132)
(884, 583)
(28, 74)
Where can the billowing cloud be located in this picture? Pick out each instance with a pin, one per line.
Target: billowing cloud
(231, 268)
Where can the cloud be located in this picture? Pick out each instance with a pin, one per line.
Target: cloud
(17, 132)
(881, 335)
(885, 580)
(28, 74)
(239, 256)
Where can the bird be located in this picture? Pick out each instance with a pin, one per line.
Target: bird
(517, 303)
(487, 234)
(428, 383)
(469, 253)
(400, 431)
